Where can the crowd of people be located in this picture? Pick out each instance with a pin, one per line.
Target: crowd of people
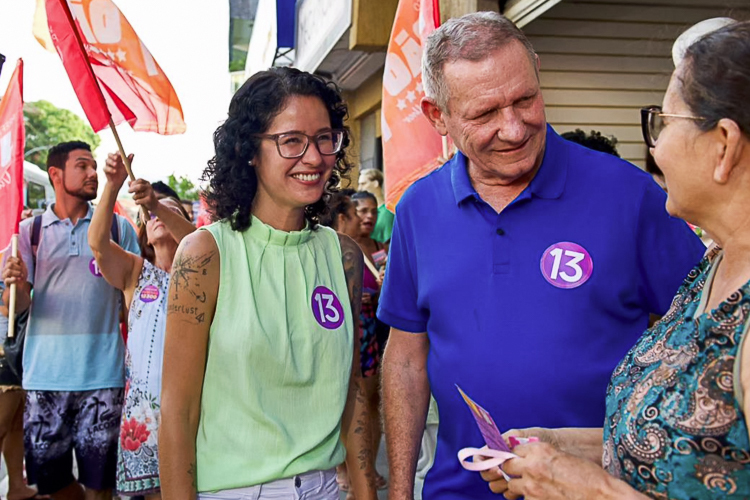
(264, 355)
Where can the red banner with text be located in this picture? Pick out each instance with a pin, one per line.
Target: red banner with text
(12, 141)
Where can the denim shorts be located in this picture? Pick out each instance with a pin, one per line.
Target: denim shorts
(314, 485)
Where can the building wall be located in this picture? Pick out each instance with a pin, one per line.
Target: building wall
(602, 60)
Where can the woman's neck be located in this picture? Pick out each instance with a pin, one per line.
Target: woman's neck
(283, 220)
(164, 254)
(379, 195)
(366, 242)
(734, 269)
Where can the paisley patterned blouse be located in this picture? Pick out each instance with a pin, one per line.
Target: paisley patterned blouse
(673, 426)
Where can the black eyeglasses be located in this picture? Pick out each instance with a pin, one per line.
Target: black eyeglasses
(294, 144)
(652, 123)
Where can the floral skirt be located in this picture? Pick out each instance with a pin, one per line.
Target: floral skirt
(137, 453)
(369, 351)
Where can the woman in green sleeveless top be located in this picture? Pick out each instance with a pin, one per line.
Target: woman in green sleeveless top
(262, 388)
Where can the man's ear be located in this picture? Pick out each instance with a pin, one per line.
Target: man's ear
(55, 175)
(730, 149)
(434, 114)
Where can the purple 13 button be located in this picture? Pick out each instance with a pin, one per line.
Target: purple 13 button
(327, 308)
(566, 265)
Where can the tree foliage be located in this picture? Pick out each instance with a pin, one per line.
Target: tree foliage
(184, 187)
(47, 125)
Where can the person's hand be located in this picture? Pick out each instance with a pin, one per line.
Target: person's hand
(381, 273)
(143, 194)
(366, 298)
(114, 169)
(27, 213)
(549, 436)
(15, 271)
(497, 482)
(542, 472)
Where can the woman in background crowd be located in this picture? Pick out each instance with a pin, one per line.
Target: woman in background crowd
(342, 217)
(375, 252)
(144, 281)
(12, 399)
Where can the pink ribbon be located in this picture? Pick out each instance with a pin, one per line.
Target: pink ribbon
(484, 459)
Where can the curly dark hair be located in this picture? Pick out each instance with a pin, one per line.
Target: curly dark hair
(232, 183)
(595, 141)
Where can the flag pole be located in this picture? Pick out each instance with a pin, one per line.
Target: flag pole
(126, 161)
(12, 301)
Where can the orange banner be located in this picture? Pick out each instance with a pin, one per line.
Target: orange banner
(135, 88)
(411, 146)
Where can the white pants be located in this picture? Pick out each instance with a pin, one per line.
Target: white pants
(314, 485)
(427, 451)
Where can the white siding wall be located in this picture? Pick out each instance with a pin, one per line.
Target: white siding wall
(602, 60)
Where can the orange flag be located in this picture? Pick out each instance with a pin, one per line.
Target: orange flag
(99, 48)
(411, 147)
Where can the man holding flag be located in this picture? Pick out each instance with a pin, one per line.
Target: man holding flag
(522, 270)
(73, 358)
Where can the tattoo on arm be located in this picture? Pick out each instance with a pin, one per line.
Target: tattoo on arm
(193, 473)
(353, 261)
(352, 258)
(185, 273)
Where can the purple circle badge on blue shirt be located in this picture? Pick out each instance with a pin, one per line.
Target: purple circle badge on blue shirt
(327, 308)
(94, 268)
(566, 265)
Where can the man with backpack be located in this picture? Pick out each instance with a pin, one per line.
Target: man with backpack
(73, 354)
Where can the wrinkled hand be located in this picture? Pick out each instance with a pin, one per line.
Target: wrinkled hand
(15, 271)
(496, 480)
(114, 169)
(542, 472)
(143, 194)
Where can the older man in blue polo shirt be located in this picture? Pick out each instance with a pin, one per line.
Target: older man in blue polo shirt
(73, 362)
(522, 270)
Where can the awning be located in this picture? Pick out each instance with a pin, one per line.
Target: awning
(522, 12)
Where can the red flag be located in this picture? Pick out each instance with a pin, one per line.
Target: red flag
(120, 210)
(411, 146)
(112, 71)
(12, 140)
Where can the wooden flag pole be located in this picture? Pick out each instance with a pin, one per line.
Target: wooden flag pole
(12, 301)
(126, 161)
(445, 148)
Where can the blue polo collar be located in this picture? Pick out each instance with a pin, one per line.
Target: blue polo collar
(49, 216)
(548, 183)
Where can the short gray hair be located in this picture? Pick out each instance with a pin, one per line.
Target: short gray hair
(471, 37)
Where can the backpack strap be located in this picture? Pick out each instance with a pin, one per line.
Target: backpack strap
(115, 229)
(36, 233)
